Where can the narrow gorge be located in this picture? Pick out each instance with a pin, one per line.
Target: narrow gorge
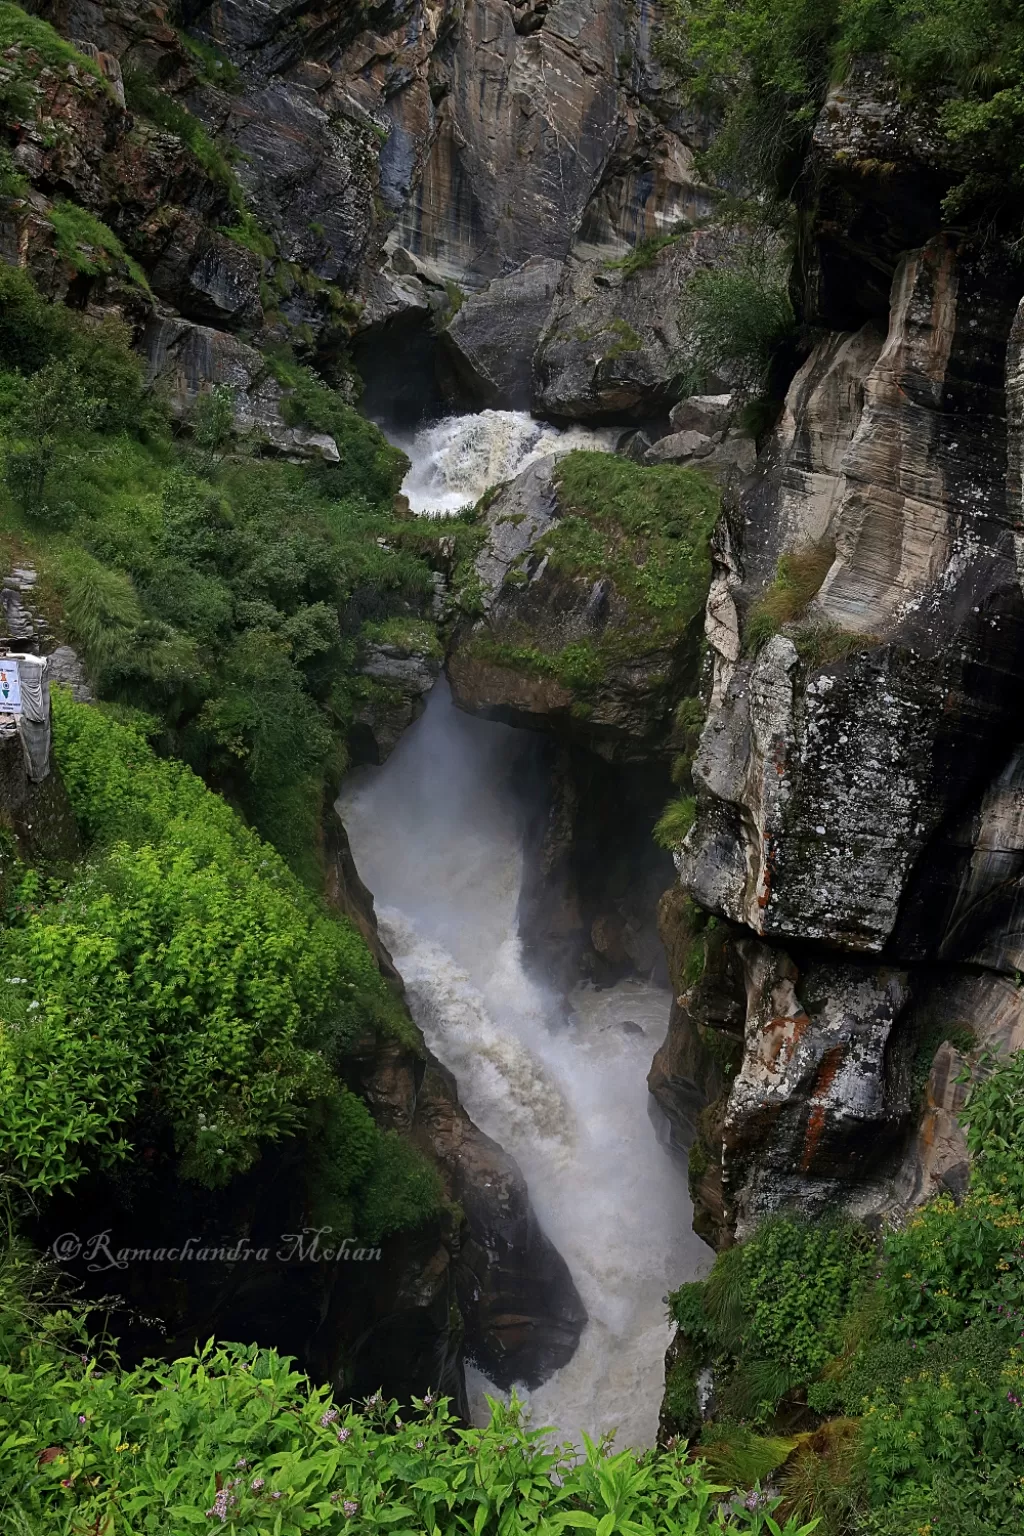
(511, 789)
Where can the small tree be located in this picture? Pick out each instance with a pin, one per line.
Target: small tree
(213, 422)
(55, 405)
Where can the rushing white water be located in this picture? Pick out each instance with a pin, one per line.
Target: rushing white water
(454, 461)
(437, 835)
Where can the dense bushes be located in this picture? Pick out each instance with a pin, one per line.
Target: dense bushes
(219, 591)
(183, 980)
(234, 1439)
(916, 1338)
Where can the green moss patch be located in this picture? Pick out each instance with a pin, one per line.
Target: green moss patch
(645, 527)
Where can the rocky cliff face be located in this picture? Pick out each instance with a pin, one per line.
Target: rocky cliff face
(857, 835)
(405, 155)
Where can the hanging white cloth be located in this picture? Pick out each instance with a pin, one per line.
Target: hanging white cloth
(34, 720)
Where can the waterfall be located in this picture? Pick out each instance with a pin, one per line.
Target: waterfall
(437, 834)
(454, 461)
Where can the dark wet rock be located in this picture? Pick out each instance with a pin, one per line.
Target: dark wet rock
(522, 1312)
(399, 680)
(491, 339)
(634, 445)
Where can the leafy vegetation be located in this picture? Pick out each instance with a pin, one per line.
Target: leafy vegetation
(221, 592)
(740, 318)
(645, 529)
(236, 1439)
(914, 1337)
(182, 978)
(767, 64)
(215, 67)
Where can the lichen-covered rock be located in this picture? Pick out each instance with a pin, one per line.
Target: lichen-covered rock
(859, 775)
(825, 781)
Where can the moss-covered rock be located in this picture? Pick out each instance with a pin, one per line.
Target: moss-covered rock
(592, 583)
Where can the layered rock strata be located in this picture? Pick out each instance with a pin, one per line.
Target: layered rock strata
(857, 832)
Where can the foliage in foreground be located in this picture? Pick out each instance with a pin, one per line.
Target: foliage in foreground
(234, 1439)
(917, 1340)
(184, 981)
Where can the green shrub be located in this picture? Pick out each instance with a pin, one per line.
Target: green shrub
(950, 1444)
(740, 317)
(415, 635)
(800, 1282)
(52, 405)
(644, 254)
(774, 1309)
(101, 607)
(247, 232)
(740, 1457)
(920, 1338)
(184, 972)
(34, 333)
(12, 183)
(369, 465)
(994, 1119)
(234, 1435)
(252, 579)
(215, 67)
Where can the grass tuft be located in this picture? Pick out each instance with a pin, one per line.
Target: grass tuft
(798, 578)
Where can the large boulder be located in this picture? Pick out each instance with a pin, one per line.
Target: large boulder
(491, 339)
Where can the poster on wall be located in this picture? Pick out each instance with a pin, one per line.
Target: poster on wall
(10, 687)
